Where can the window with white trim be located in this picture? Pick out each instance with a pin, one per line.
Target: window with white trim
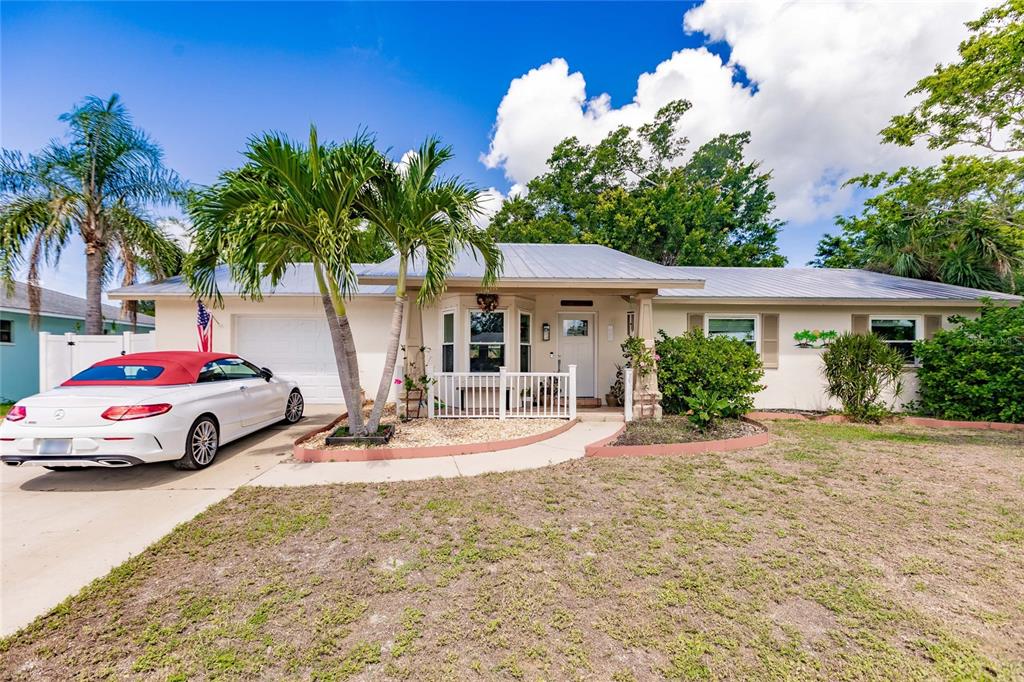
(630, 323)
(525, 342)
(486, 341)
(6, 331)
(448, 342)
(740, 327)
(898, 332)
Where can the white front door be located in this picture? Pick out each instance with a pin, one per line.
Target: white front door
(576, 347)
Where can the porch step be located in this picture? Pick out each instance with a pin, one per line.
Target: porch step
(604, 414)
(588, 402)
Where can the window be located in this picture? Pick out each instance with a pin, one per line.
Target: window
(6, 332)
(448, 342)
(741, 328)
(228, 368)
(119, 373)
(525, 341)
(898, 332)
(575, 327)
(630, 323)
(486, 341)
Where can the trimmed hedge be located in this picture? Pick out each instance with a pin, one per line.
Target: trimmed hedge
(720, 365)
(975, 371)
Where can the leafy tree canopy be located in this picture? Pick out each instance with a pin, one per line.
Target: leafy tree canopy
(959, 222)
(633, 192)
(980, 99)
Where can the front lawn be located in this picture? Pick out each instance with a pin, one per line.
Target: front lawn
(837, 552)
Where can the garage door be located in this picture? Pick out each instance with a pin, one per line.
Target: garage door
(295, 347)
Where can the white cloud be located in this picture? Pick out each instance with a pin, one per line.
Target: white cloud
(828, 76)
(491, 200)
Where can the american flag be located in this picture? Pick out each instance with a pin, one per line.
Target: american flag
(204, 325)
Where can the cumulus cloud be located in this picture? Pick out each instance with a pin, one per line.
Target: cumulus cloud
(490, 201)
(826, 77)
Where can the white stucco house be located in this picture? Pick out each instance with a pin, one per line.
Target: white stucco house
(561, 305)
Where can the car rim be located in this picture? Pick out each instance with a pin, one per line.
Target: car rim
(294, 410)
(204, 443)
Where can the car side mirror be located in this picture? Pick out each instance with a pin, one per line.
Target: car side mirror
(266, 373)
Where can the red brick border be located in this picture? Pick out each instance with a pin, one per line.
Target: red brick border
(910, 421)
(602, 448)
(304, 454)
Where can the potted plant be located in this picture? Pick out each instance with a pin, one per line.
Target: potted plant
(526, 397)
(616, 396)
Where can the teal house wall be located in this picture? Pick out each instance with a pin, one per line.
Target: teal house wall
(19, 360)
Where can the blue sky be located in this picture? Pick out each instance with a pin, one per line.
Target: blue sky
(202, 77)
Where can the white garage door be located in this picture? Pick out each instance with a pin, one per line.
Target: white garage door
(295, 347)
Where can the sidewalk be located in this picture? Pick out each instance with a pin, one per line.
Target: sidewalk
(561, 448)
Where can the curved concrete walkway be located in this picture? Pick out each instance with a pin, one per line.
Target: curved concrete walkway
(563, 447)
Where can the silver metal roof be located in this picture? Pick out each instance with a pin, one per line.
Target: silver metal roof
(548, 264)
(298, 280)
(819, 284)
(57, 303)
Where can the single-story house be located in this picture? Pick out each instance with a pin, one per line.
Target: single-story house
(558, 305)
(59, 313)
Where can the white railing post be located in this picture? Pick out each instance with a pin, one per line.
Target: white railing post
(502, 386)
(627, 394)
(44, 360)
(430, 392)
(572, 391)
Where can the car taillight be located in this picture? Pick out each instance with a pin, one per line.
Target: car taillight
(16, 413)
(120, 413)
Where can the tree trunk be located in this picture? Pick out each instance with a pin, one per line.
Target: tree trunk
(394, 339)
(350, 388)
(93, 289)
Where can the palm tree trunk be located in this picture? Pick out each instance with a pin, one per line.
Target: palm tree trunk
(394, 338)
(93, 289)
(350, 388)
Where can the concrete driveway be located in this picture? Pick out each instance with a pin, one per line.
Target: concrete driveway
(60, 531)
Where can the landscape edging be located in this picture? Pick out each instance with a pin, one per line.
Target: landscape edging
(602, 448)
(911, 421)
(304, 454)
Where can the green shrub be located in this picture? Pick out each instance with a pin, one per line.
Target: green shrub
(858, 369)
(724, 366)
(976, 370)
(706, 408)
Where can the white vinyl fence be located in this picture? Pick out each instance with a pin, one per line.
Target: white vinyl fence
(502, 395)
(61, 356)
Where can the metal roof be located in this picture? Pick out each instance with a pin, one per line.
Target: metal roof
(819, 284)
(298, 280)
(548, 264)
(60, 304)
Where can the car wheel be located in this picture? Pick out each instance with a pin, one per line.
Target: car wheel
(294, 407)
(65, 468)
(200, 445)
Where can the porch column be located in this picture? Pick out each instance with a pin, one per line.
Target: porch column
(645, 391)
(414, 359)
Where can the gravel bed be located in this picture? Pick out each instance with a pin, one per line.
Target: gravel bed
(417, 433)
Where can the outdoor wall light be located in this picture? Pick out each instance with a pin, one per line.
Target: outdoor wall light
(545, 332)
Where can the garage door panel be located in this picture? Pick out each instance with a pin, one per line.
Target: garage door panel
(296, 348)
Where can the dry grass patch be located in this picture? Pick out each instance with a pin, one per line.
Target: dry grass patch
(837, 552)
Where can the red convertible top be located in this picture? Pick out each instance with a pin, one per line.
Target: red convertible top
(180, 367)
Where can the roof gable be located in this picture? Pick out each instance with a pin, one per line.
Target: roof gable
(59, 304)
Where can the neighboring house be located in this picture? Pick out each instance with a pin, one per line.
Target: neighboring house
(570, 304)
(19, 342)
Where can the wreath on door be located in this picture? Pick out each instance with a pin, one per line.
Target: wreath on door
(487, 302)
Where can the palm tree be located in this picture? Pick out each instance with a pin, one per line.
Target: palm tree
(420, 216)
(289, 204)
(98, 185)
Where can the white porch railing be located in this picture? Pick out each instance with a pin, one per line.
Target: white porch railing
(502, 395)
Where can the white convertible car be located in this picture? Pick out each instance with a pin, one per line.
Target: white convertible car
(147, 407)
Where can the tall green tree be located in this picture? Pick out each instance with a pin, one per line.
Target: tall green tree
(633, 191)
(423, 218)
(979, 100)
(290, 203)
(99, 183)
(959, 222)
